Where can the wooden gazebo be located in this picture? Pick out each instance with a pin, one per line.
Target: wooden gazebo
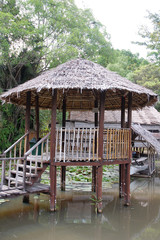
(78, 85)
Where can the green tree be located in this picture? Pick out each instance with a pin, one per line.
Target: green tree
(67, 32)
(126, 62)
(36, 35)
(152, 37)
(149, 77)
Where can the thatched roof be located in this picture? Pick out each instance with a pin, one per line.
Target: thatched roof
(147, 136)
(147, 115)
(81, 80)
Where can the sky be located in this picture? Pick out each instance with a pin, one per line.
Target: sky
(123, 19)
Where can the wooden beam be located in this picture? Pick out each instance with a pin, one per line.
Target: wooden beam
(63, 168)
(94, 163)
(37, 116)
(52, 153)
(100, 151)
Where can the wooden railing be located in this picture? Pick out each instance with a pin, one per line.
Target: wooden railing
(81, 144)
(76, 144)
(38, 154)
(9, 164)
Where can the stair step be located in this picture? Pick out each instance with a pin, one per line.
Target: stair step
(20, 173)
(30, 167)
(37, 159)
(19, 180)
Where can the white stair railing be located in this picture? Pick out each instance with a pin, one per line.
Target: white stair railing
(9, 165)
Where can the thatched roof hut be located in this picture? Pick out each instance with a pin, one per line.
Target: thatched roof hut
(81, 80)
(145, 116)
(147, 136)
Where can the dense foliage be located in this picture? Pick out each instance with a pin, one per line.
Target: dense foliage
(37, 35)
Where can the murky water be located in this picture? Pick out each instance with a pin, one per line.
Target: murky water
(76, 219)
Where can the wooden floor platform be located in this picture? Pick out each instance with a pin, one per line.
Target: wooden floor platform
(12, 192)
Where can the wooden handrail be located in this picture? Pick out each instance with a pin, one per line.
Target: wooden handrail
(11, 158)
(36, 145)
(13, 145)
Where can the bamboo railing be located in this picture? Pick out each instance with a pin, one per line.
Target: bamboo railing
(116, 144)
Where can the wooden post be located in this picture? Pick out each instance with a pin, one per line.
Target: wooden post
(100, 152)
(63, 168)
(27, 118)
(129, 110)
(52, 153)
(94, 167)
(27, 128)
(127, 177)
(37, 116)
(122, 166)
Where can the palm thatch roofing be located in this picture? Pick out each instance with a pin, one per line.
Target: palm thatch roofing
(81, 81)
(147, 136)
(145, 116)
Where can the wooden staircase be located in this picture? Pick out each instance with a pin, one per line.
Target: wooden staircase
(20, 169)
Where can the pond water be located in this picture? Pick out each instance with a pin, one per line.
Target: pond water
(76, 218)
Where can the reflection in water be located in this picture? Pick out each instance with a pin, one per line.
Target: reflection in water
(76, 218)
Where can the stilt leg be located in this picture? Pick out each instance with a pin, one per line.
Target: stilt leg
(127, 185)
(53, 188)
(94, 179)
(99, 188)
(63, 178)
(121, 180)
(26, 198)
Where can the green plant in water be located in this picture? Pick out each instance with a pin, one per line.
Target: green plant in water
(95, 201)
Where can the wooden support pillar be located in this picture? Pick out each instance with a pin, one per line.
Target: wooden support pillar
(52, 153)
(63, 168)
(37, 116)
(27, 118)
(100, 152)
(129, 123)
(94, 167)
(27, 128)
(127, 175)
(122, 166)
